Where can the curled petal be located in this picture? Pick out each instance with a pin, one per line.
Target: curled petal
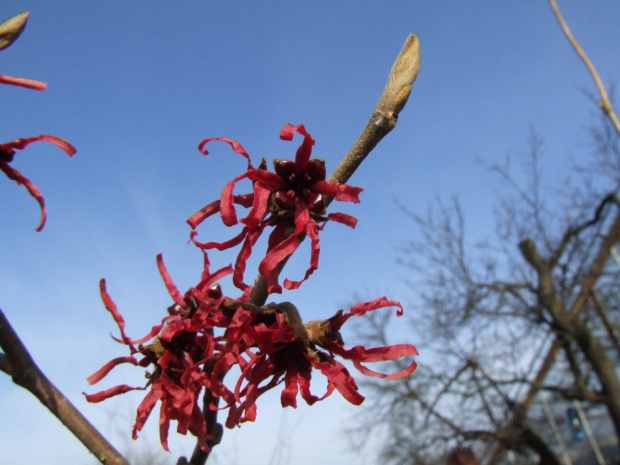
(382, 302)
(21, 144)
(214, 207)
(99, 375)
(238, 239)
(360, 309)
(34, 191)
(16, 176)
(113, 391)
(341, 192)
(361, 355)
(172, 289)
(236, 146)
(146, 406)
(305, 149)
(312, 231)
(245, 252)
(227, 209)
(269, 265)
(259, 207)
(111, 307)
(343, 218)
(341, 379)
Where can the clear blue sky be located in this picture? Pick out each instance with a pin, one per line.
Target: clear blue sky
(135, 86)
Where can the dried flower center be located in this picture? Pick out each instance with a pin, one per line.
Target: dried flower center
(299, 185)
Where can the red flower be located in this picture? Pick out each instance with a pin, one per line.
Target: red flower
(269, 351)
(270, 345)
(7, 152)
(292, 199)
(180, 347)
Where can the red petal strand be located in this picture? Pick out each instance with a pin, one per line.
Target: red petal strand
(113, 391)
(343, 218)
(203, 214)
(338, 375)
(398, 375)
(245, 200)
(22, 82)
(154, 332)
(269, 265)
(111, 307)
(220, 245)
(215, 277)
(146, 406)
(288, 131)
(304, 388)
(227, 208)
(34, 191)
(341, 192)
(259, 207)
(236, 146)
(245, 252)
(267, 178)
(21, 144)
(382, 354)
(382, 302)
(103, 371)
(315, 249)
(288, 398)
(172, 289)
(305, 149)
(359, 354)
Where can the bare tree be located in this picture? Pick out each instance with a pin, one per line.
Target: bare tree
(499, 313)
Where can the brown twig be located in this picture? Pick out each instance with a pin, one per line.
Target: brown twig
(604, 103)
(18, 363)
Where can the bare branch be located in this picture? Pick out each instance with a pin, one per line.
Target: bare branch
(6, 365)
(604, 103)
(27, 374)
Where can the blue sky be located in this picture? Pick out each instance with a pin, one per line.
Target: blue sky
(135, 86)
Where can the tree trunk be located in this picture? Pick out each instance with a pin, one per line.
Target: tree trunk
(596, 354)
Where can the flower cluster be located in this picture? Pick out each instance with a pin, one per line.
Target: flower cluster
(269, 344)
(206, 335)
(293, 199)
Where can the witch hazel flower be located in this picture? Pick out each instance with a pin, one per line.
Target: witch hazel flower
(179, 348)
(7, 153)
(274, 347)
(292, 199)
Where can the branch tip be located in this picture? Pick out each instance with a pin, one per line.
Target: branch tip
(11, 29)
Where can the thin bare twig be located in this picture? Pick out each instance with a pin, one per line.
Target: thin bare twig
(25, 373)
(604, 103)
